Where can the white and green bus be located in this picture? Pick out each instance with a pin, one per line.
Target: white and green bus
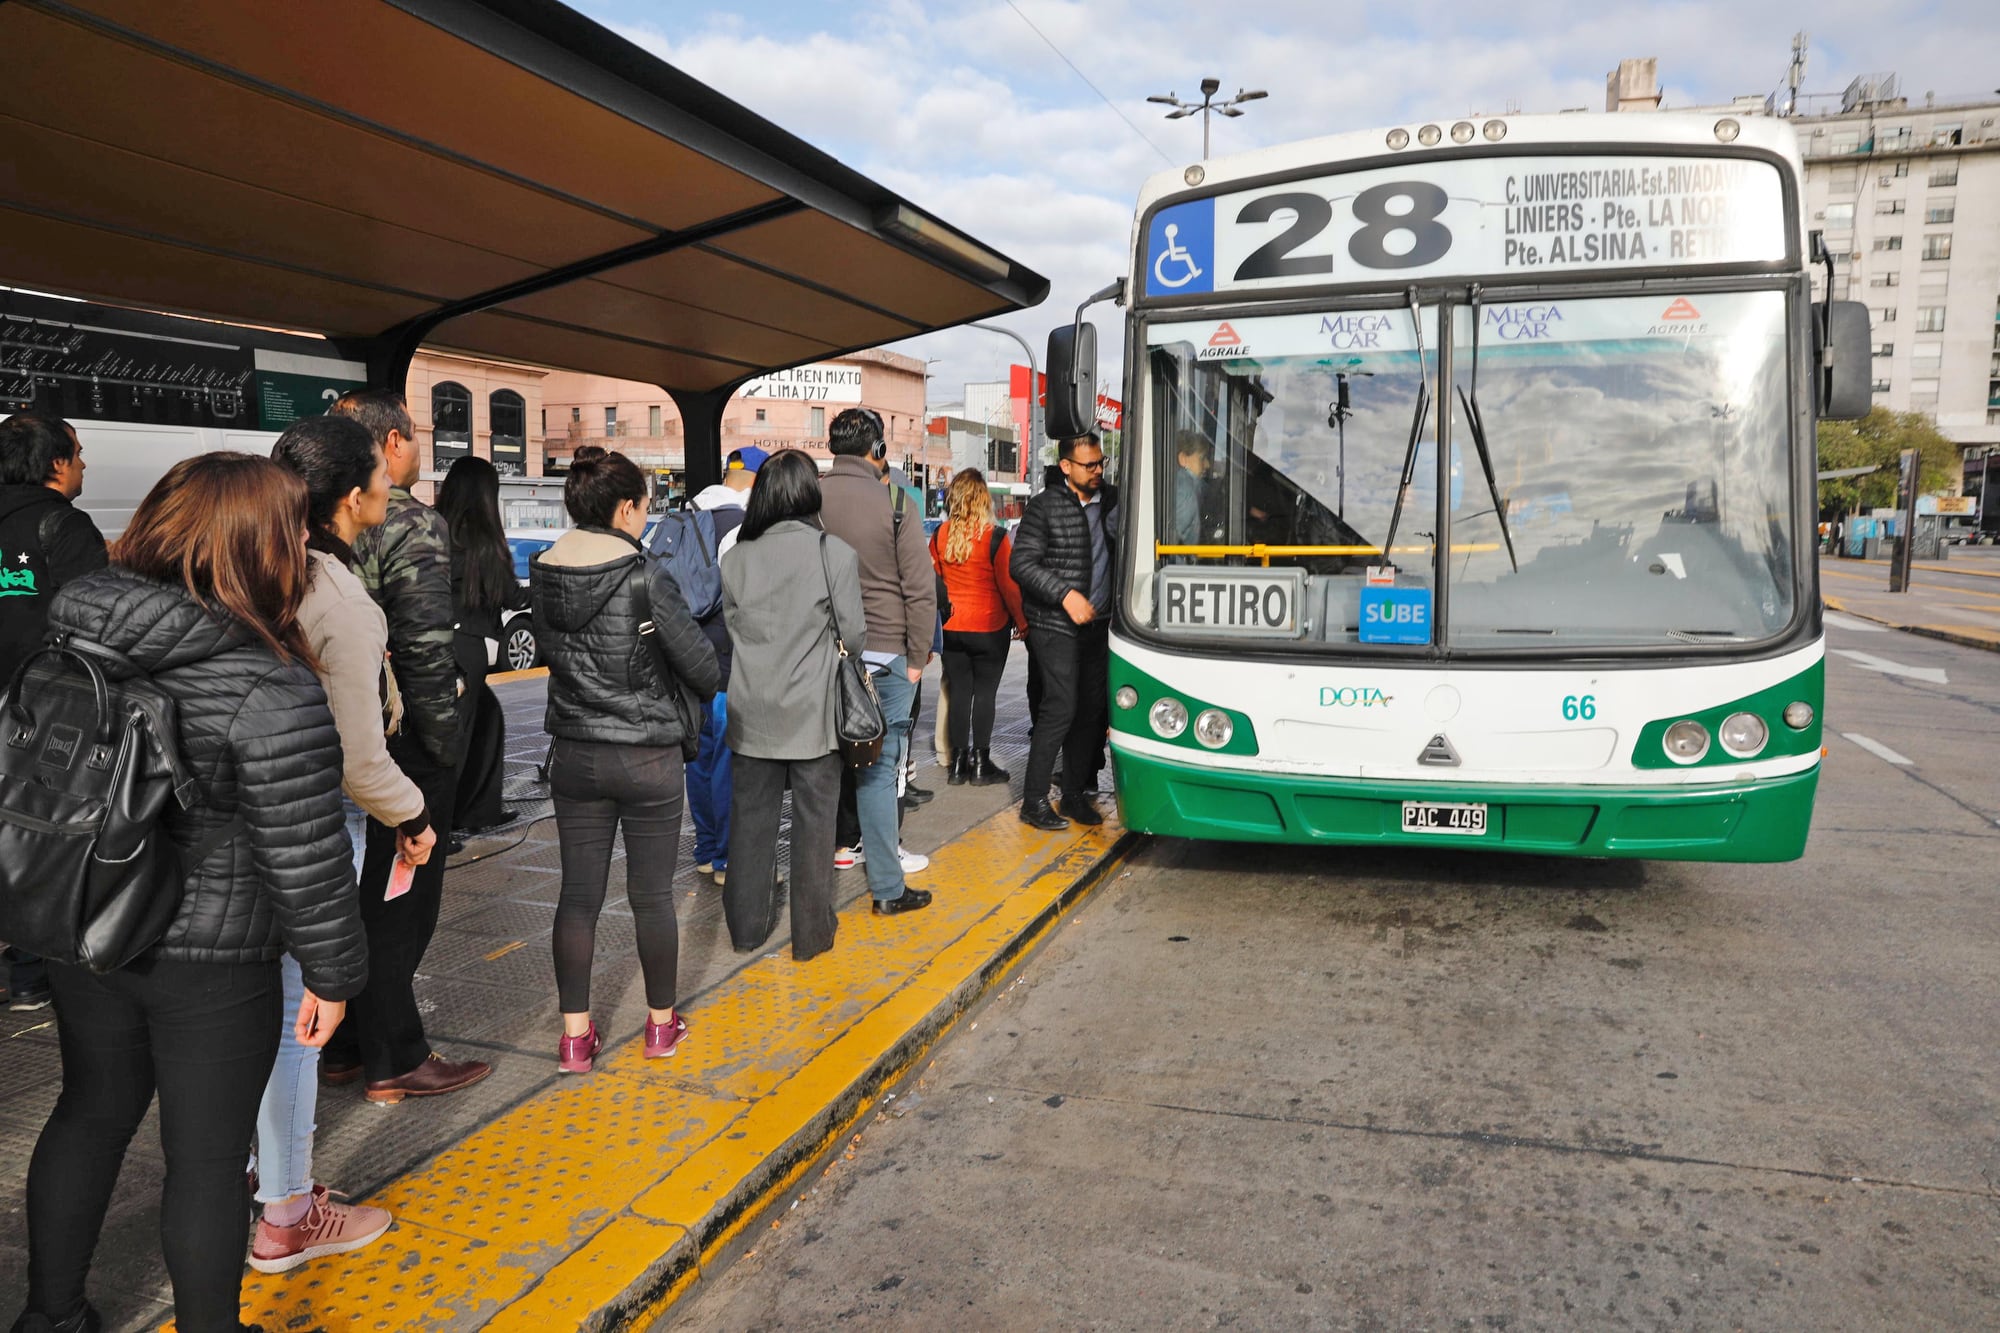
(1468, 490)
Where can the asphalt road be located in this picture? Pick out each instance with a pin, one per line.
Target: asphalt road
(1423, 1090)
(1973, 569)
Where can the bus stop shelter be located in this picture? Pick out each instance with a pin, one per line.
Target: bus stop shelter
(502, 178)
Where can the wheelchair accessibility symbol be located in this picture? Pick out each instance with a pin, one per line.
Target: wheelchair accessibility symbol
(1178, 256)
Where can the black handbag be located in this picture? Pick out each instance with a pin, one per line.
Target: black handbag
(858, 722)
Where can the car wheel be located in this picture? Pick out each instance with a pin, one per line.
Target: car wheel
(519, 647)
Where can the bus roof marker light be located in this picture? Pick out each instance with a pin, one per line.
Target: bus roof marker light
(1462, 132)
(1169, 717)
(1727, 130)
(1213, 728)
(1398, 140)
(1798, 715)
(1194, 175)
(1127, 697)
(1429, 135)
(1686, 741)
(1743, 734)
(1494, 130)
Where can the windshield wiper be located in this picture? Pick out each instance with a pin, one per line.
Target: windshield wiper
(1416, 433)
(1478, 424)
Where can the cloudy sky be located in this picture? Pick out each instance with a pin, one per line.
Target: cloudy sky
(961, 107)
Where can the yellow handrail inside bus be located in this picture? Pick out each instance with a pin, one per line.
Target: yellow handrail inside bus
(1260, 551)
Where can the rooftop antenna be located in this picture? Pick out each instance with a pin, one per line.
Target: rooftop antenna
(1798, 73)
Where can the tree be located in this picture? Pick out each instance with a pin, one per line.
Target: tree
(1878, 440)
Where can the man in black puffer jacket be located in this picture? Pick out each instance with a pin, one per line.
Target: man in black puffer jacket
(1065, 559)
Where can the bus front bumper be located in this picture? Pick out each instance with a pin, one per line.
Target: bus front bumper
(1739, 821)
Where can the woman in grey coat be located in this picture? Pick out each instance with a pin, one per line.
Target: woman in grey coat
(781, 584)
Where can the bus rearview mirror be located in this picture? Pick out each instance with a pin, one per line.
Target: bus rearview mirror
(1072, 405)
(1845, 365)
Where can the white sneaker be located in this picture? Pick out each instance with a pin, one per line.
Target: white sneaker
(912, 861)
(846, 858)
(721, 877)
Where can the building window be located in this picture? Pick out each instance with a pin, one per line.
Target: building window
(1888, 242)
(1926, 356)
(1844, 180)
(451, 423)
(1886, 315)
(762, 414)
(1839, 216)
(1940, 213)
(819, 423)
(1885, 280)
(1890, 206)
(576, 414)
(1879, 386)
(1930, 319)
(508, 412)
(1946, 174)
(1937, 247)
(655, 421)
(1885, 349)
(610, 422)
(1947, 136)
(545, 423)
(1902, 168)
(1844, 143)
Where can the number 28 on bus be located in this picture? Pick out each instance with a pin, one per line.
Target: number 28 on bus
(1466, 494)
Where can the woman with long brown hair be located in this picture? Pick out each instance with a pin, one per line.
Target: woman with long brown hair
(203, 595)
(971, 554)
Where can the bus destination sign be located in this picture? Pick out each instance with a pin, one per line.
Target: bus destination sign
(1232, 602)
(1492, 215)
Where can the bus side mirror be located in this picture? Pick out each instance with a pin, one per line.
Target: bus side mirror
(1072, 406)
(1842, 339)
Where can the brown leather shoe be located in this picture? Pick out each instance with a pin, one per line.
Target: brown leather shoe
(433, 1078)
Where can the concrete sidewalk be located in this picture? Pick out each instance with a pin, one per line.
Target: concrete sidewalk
(534, 1201)
(1967, 616)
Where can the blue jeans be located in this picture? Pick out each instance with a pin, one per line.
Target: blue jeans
(287, 1116)
(711, 784)
(875, 786)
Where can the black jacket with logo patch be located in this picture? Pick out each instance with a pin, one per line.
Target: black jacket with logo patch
(45, 542)
(1052, 551)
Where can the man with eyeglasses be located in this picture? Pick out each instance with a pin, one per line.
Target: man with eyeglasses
(1065, 558)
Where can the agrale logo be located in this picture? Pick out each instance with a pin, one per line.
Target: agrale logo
(1680, 319)
(1350, 696)
(1681, 309)
(1224, 342)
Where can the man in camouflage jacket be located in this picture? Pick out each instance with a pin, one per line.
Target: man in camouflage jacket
(406, 566)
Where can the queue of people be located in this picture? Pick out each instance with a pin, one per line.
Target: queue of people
(321, 632)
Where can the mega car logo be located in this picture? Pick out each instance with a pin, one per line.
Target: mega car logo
(1354, 332)
(1522, 323)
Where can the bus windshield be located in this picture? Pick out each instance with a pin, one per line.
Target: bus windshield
(1618, 475)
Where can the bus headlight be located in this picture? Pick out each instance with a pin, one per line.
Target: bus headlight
(1169, 718)
(1685, 741)
(1743, 734)
(1727, 130)
(1494, 130)
(1462, 132)
(1127, 697)
(1429, 135)
(1398, 140)
(1798, 715)
(1213, 728)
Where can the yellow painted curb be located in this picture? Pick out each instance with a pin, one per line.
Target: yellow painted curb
(504, 677)
(594, 1203)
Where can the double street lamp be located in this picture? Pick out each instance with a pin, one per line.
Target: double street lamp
(1208, 105)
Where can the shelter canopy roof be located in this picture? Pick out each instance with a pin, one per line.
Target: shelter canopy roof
(498, 177)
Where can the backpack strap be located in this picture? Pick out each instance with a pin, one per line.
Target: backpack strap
(192, 858)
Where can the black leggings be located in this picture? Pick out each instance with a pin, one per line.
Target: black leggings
(973, 665)
(596, 788)
(205, 1036)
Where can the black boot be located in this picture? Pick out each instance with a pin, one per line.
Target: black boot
(984, 772)
(85, 1320)
(1081, 806)
(1039, 815)
(960, 771)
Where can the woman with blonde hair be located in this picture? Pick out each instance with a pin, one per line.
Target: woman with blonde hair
(971, 553)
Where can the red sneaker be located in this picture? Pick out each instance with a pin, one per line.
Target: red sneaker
(573, 1054)
(663, 1039)
(329, 1227)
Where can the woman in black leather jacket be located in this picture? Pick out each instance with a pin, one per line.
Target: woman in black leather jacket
(203, 594)
(622, 651)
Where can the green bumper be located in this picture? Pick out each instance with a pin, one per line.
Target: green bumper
(1761, 821)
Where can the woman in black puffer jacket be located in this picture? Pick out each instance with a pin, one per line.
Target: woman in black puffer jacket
(203, 594)
(619, 642)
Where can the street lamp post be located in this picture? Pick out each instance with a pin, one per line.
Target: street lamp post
(1208, 105)
(1032, 446)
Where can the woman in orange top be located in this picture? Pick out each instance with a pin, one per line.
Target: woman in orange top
(971, 555)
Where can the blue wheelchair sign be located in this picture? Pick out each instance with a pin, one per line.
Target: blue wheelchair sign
(1180, 250)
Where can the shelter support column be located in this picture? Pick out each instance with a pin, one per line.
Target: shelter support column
(701, 429)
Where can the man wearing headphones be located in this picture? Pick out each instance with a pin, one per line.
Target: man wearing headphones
(899, 600)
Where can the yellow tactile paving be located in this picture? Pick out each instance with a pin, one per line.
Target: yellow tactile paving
(601, 1195)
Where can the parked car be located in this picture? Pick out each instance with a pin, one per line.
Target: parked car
(518, 650)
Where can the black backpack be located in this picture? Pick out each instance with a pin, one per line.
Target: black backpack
(89, 768)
